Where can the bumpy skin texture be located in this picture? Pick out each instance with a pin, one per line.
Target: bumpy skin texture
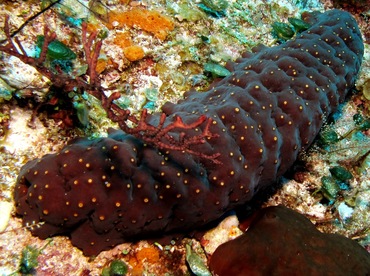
(280, 241)
(105, 191)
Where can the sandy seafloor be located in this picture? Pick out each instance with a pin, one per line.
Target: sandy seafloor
(171, 66)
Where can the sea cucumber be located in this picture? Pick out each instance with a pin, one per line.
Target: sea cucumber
(303, 250)
(105, 191)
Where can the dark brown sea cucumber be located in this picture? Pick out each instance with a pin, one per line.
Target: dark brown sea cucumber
(280, 241)
(102, 192)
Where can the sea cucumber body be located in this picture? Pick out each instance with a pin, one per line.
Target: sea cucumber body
(105, 191)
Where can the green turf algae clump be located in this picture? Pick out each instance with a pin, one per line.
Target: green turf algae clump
(57, 50)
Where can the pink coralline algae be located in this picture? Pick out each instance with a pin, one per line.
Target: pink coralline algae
(106, 191)
(280, 241)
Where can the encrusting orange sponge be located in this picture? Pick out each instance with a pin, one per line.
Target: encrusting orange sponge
(150, 21)
(133, 53)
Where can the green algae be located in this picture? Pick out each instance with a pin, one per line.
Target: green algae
(282, 31)
(216, 5)
(196, 263)
(185, 10)
(57, 50)
(340, 173)
(329, 188)
(116, 268)
(328, 137)
(216, 70)
(298, 24)
(29, 261)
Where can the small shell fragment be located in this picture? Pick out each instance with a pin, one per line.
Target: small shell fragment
(5, 212)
